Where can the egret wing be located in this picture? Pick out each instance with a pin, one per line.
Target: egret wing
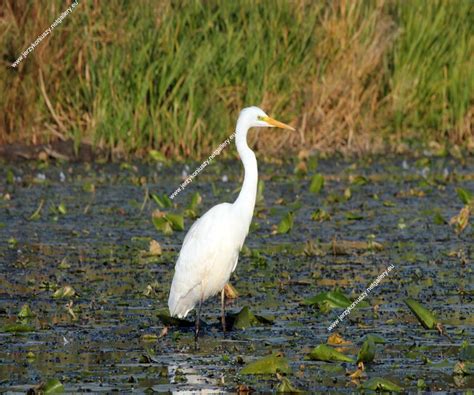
(206, 249)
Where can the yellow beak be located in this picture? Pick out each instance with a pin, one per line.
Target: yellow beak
(278, 124)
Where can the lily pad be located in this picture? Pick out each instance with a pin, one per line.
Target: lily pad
(88, 187)
(464, 369)
(359, 180)
(167, 222)
(17, 328)
(320, 215)
(426, 318)
(352, 216)
(163, 201)
(176, 221)
(465, 196)
(380, 384)
(65, 292)
(162, 225)
(52, 386)
(326, 301)
(286, 224)
(191, 210)
(317, 183)
(246, 319)
(367, 351)
(268, 365)
(62, 209)
(334, 298)
(286, 387)
(25, 312)
(328, 354)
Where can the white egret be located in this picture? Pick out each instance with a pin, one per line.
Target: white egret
(210, 250)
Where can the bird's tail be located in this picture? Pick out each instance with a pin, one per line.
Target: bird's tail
(180, 305)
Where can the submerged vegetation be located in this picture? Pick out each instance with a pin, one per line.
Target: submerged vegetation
(128, 77)
(88, 254)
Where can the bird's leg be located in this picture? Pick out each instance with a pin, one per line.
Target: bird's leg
(223, 309)
(198, 323)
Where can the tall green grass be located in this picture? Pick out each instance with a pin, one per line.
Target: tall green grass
(432, 77)
(127, 77)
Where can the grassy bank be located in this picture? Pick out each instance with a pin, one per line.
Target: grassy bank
(352, 76)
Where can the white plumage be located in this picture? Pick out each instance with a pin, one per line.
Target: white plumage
(207, 259)
(210, 250)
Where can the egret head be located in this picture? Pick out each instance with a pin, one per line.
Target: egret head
(256, 118)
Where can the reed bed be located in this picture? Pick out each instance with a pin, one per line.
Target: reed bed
(127, 77)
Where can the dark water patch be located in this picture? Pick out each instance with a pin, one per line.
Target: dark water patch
(107, 335)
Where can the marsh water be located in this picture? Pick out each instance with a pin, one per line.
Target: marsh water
(75, 248)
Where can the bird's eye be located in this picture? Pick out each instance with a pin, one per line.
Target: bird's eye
(260, 118)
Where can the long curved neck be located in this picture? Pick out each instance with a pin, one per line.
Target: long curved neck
(245, 202)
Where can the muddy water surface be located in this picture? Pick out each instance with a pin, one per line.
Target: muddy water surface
(74, 247)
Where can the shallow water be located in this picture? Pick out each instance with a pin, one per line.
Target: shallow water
(98, 247)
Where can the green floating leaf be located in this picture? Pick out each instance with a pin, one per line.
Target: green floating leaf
(421, 384)
(351, 216)
(367, 351)
(463, 369)
(52, 386)
(17, 328)
(167, 320)
(347, 193)
(320, 215)
(438, 218)
(10, 176)
(425, 316)
(268, 365)
(335, 298)
(167, 222)
(286, 387)
(326, 353)
(25, 312)
(326, 301)
(88, 187)
(192, 209)
(359, 180)
(162, 225)
(465, 196)
(246, 319)
(149, 337)
(286, 224)
(196, 200)
(163, 201)
(62, 209)
(380, 384)
(317, 183)
(64, 264)
(65, 292)
(176, 221)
